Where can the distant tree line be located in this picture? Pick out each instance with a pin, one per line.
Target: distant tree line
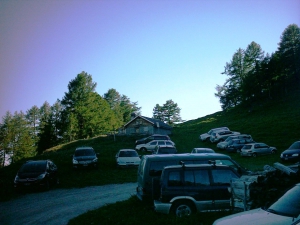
(254, 76)
(82, 113)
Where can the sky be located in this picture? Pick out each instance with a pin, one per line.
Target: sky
(151, 51)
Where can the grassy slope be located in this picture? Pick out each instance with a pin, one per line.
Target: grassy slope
(275, 123)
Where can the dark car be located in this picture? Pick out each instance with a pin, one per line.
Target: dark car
(36, 174)
(85, 157)
(164, 150)
(292, 153)
(235, 145)
(151, 138)
(185, 189)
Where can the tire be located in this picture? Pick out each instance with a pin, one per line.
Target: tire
(183, 208)
(254, 155)
(273, 152)
(143, 149)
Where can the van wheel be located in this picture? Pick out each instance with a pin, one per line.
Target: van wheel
(182, 208)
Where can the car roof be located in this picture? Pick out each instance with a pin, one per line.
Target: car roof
(191, 166)
(127, 149)
(190, 156)
(79, 148)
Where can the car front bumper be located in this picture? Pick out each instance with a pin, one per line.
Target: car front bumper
(162, 207)
(246, 153)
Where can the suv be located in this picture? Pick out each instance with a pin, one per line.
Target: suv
(151, 138)
(218, 136)
(151, 166)
(164, 150)
(235, 145)
(224, 144)
(206, 136)
(85, 157)
(150, 146)
(185, 189)
(36, 174)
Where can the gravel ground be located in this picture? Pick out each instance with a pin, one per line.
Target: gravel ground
(58, 206)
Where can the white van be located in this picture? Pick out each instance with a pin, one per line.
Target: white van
(151, 166)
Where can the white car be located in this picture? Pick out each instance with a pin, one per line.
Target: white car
(206, 136)
(285, 211)
(221, 135)
(150, 146)
(127, 157)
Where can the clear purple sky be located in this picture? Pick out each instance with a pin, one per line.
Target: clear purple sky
(151, 51)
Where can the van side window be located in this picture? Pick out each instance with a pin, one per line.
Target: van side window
(196, 178)
(157, 167)
(201, 178)
(174, 179)
(223, 176)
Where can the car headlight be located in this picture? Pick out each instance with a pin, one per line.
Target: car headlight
(75, 161)
(16, 178)
(42, 176)
(296, 154)
(95, 160)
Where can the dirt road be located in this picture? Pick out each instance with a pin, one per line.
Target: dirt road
(58, 206)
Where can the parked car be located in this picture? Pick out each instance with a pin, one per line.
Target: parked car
(151, 138)
(292, 153)
(224, 144)
(164, 150)
(255, 149)
(202, 150)
(36, 174)
(151, 166)
(186, 189)
(206, 136)
(85, 157)
(150, 146)
(235, 145)
(285, 211)
(218, 136)
(127, 157)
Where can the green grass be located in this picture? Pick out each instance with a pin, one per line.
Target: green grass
(276, 123)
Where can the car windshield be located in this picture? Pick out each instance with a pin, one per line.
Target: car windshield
(295, 145)
(33, 167)
(128, 154)
(288, 204)
(84, 152)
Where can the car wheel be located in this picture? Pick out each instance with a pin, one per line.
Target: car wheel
(143, 149)
(254, 155)
(238, 150)
(182, 208)
(273, 151)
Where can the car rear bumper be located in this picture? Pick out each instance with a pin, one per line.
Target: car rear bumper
(162, 207)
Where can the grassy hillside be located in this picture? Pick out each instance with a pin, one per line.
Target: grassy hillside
(276, 123)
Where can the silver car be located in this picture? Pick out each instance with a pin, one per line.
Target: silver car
(285, 211)
(255, 149)
(218, 136)
(206, 136)
(224, 144)
(150, 146)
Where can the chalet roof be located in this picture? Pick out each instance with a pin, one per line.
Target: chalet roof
(155, 122)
